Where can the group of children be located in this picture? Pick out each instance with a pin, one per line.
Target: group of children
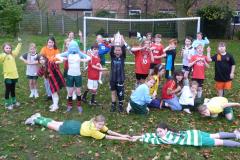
(177, 93)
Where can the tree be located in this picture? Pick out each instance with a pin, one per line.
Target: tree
(182, 7)
(10, 16)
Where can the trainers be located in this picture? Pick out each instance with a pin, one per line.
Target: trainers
(237, 133)
(128, 108)
(84, 100)
(113, 108)
(31, 119)
(187, 110)
(10, 107)
(69, 108)
(80, 110)
(53, 109)
(100, 81)
(31, 95)
(36, 95)
(16, 104)
(94, 103)
(120, 108)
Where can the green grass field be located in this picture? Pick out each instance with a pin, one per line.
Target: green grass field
(19, 141)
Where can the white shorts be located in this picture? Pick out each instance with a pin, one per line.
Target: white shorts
(92, 84)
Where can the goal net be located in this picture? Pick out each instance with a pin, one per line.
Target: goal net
(107, 27)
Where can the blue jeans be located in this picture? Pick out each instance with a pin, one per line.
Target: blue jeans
(173, 103)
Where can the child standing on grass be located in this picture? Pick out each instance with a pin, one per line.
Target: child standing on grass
(157, 50)
(187, 52)
(50, 70)
(94, 67)
(10, 73)
(224, 69)
(170, 51)
(103, 48)
(143, 59)
(200, 40)
(49, 51)
(141, 97)
(166, 135)
(216, 105)
(170, 89)
(31, 60)
(199, 62)
(94, 128)
(74, 78)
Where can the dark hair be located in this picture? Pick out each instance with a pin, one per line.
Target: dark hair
(53, 39)
(157, 69)
(188, 37)
(165, 126)
(95, 45)
(178, 73)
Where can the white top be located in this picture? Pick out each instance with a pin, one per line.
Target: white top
(32, 69)
(187, 53)
(74, 65)
(186, 97)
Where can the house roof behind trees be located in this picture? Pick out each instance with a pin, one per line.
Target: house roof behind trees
(80, 5)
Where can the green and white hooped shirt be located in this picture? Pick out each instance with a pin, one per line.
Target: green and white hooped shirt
(189, 137)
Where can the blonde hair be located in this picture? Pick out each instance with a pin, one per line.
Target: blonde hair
(145, 41)
(31, 45)
(194, 83)
(99, 118)
(65, 43)
(158, 36)
(202, 108)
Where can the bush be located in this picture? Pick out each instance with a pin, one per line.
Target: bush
(237, 34)
(104, 13)
(101, 31)
(216, 20)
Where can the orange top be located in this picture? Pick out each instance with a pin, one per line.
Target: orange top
(49, 53)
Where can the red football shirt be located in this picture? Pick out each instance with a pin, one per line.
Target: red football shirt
(198, 67)
(169, 85)
(158, 51)
(93, 73)
(142, 61)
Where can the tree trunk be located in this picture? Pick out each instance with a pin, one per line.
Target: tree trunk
(181, 11)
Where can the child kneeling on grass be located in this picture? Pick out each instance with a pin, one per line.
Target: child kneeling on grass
(166, 135)
(141, 97)
(212, 107)
(94, 128)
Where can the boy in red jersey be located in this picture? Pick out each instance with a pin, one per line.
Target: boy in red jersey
(94, 67)
(158, 54)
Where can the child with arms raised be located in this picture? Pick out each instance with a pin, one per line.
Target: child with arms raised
(74, 78)
(143, 59)
(10, 73)
(31, 60)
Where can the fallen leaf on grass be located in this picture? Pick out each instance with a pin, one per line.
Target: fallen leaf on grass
(206, 153)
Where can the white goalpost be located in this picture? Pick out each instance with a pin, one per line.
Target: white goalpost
(112, 25)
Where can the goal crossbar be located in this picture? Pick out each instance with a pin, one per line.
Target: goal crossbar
(85, 18)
